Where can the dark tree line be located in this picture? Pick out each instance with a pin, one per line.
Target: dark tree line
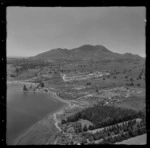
(118, 132)
(102, 116)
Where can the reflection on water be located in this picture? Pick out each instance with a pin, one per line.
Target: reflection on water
(26, 108)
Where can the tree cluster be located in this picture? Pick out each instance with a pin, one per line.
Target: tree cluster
(118, 132)
(25, 88)
(102, 116)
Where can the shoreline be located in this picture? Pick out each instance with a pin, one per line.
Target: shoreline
(37, 130)
(47, 117)
(60, 111)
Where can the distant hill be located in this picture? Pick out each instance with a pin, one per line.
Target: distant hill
(85, 52)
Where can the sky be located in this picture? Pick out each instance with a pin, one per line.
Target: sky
(33, 30)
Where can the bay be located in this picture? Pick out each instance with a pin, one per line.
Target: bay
(24, 109)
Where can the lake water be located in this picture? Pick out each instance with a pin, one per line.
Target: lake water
(26, 108)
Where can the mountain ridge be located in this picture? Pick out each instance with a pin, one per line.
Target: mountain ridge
(84, 52)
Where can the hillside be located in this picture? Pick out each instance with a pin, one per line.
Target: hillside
(85, 52)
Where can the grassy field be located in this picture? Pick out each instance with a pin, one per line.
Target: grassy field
(139, 140)
(137, 103)
(85, 123)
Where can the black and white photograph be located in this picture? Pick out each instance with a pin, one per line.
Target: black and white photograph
(76, 75)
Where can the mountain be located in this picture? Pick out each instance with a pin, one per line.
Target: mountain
(85, 52)
(54, 54)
